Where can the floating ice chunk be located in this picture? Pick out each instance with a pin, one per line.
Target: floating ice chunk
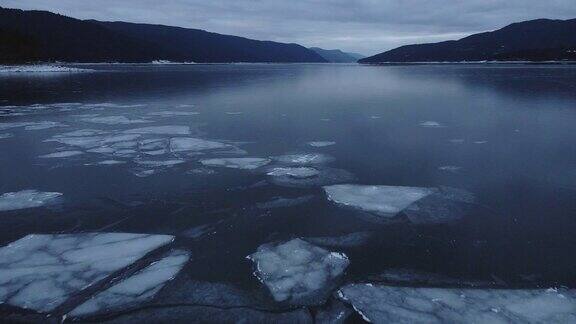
(62, 154)
(136, 289)
(40, 272)
(43, 125)
(304, 159)
(154, 144)
(281, 202)
(5, 135)
(183, 144)
(301, 173)
(335, 312)
(161, 130)
(109, 162)
(31, 125)
(457, 141)
(83, 133)
(40, 68)
(143, 173)
(114, 120)
(237, 163)
(480, 142)
(102, 150)
(26, 199)
(386, 304)
(125, 153)
(321, 144)
(386, 201)
(450, 168)
(124, 145)
(298, 272)
(156, 153)
(234, 113)
(160, 163)
(199, 231)
(431, 124)
(173, 113)
(303, 177)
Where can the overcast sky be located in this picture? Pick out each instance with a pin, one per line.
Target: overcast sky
(365, 26)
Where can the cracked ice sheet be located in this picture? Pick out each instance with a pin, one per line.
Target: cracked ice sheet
(31, 125)
(184, 144)
(26, 199)
(298, 272)
(114, 120)
(62, 154)
(160, 130)
(386, 201)
(387, 304)
(237, 163)
(304, 159)
(40, 272)
(136, 289)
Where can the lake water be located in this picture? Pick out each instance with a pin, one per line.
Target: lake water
(504, 133)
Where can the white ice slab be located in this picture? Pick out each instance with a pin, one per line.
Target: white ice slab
(114, 120)
(386, 201)
(27, 199)
(184, 144)
(301, 172)
(386, 304)
(62, 154)
(321, 144)
(237, 163)
(173, 113)
(304, 159)
(160, 163)
(161, 130)
(40, 68)
(40, 272)
(298, 272)
(431, 124)
(138, 288)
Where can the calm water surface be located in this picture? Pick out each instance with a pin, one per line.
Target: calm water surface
(504, 133)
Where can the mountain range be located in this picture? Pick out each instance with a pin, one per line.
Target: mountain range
(29, 36)
(337, 56)
(534, 40)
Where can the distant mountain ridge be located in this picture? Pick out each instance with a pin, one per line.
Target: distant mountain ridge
(337, 56)
(534, 40)
(28, 36)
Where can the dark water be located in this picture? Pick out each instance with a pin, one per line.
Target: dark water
(509, 130)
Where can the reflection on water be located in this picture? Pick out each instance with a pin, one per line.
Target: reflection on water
(228, 158)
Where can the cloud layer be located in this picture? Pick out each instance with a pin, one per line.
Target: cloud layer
(365, 26)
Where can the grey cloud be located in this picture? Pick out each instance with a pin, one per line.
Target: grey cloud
(366, 26)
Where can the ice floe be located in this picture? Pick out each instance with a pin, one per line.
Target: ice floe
(173, 113)
(304, 159)
(114, 120)
(301, 172)
(386, 201)
(237, 163)
(61, 154)
(450, 168)
(40, 68)
(387, 304)
(161, 130)
(40, 272)
(138, 288)
(30, 126)
(419, 205)
(27, 199)
(5, 135)
(183, 144)
(297, 272)
(302, 177)
(321, 144)
(431, 124)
